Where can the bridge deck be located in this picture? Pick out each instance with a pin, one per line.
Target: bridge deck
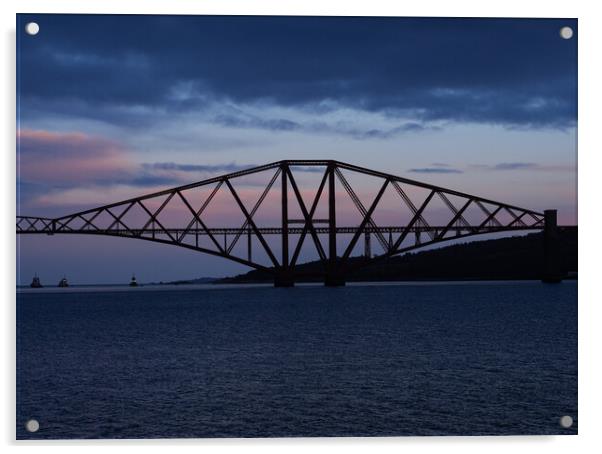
(270, 230)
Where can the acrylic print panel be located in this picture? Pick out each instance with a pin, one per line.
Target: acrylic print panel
(295, 226)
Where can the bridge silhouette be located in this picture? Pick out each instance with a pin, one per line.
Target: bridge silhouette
(148, 218)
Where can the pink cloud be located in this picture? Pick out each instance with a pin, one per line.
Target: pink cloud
(70, 158)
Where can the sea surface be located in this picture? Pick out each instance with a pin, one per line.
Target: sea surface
(255, 361)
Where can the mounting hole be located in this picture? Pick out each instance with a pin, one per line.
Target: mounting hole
(566, 32)
(32, 425)
(32, 28)
(566, 422)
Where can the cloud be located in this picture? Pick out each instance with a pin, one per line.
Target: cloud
(73, 159)
(460, 70)
(531, 166)
(392, 132)
(229, 167)
(514, 166)
(69, 158)
(216, 168)
(280, 124)
(436, 169)
(175, 174)
(360, 128)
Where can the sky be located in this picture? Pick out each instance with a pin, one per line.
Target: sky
(112, 107)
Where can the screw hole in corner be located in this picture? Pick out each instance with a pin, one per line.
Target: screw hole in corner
(32, 425)
(32, 28)
(566, 32)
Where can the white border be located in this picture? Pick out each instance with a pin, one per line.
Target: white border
(590, 302)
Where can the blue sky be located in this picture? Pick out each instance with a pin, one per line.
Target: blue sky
(112, 107)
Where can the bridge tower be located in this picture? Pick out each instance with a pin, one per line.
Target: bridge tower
(551, 254)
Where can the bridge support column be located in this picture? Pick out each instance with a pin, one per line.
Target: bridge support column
(551, 254)
(284, 278)
(334, 277)
(367, 245)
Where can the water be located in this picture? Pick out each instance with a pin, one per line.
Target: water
(365, 360)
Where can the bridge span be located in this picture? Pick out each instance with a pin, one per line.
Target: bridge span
(155, 217)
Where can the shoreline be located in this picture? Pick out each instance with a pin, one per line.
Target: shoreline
(238, 285)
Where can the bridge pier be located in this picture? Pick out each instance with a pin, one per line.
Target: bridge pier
(551, 254)
(334, 280)
(284, 278)
(334, 277)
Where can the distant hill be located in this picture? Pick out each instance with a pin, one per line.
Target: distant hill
(518, 257)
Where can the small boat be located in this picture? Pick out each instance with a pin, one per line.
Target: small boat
(63, 282)
(133, 282)
(35, 283)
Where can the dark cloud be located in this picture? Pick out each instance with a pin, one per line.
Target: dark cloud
(514, 166)
(215, 168)
(241, 120)
(435, 170)
(514, 72)
(502, 166)
(388, 133)
(280, 124)
(149, 180)
(230, 167)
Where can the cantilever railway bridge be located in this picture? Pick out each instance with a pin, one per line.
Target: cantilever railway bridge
(334, 243)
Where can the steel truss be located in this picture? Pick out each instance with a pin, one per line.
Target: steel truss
(393, 239)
